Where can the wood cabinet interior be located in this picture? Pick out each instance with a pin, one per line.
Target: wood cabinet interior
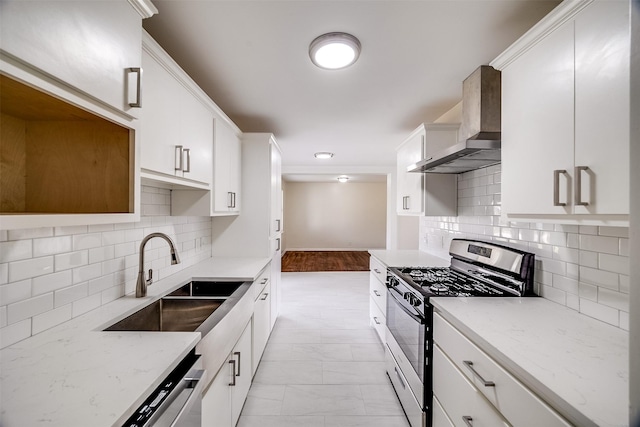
(59, 159)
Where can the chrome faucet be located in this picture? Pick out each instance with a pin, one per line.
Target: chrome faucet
(141, 285)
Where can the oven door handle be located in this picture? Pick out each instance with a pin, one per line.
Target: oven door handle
(414, 316)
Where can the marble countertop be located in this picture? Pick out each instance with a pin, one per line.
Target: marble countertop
(76, 374)
(409, 258)
(577, 364)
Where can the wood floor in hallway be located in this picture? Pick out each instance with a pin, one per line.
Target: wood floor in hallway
(324, 364)
(300, 261)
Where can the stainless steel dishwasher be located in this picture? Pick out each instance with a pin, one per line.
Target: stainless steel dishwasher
(177, 401)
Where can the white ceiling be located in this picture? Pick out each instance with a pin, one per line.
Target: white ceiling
(251, 57)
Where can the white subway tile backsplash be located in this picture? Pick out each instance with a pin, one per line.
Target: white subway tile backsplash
(102, 283)
(19, 270)
(4, 274)
(605, 244)
(72, 293)
(87, 272)
(51, 245)
(71, 230)
(51, 282)
(14, 333)
(3, 316)
(583, 267)
(85, 305)
(87, 241)
(71, 260)
(102, 253)
(30, 307)
(30, 233)
(16, 250)
(15, 291)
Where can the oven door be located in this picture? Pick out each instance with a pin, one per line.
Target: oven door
(407, 327)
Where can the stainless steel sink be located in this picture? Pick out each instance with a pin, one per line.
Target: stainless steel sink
(183, 310)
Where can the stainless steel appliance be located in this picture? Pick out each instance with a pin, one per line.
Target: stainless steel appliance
(478, 269)
(176, 402)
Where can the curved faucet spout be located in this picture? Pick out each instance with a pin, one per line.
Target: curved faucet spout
(143, 282)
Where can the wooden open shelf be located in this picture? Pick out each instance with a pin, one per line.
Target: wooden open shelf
(56, 158)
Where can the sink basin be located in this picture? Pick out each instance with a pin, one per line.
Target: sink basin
(169, 314)
(183, 310)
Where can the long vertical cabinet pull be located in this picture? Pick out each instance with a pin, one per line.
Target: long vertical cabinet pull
(556, 187)
(187, 153)
(578, 189)
(233, 375)
(277, 225)
(237, 353)
(178, 159)
(230, 204)
(278, 239)
(138, 102)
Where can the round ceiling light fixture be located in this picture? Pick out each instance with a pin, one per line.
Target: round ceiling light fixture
(334, 51)
(343, 178)
(323, 155)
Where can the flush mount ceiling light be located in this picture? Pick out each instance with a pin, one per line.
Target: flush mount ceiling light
(343, 178)
(334, 51)
(323, 155)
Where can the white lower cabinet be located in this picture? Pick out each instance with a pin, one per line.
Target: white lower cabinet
(261, 323)
(440, 418)
(377, 297)
(469, 383)
(222, 402)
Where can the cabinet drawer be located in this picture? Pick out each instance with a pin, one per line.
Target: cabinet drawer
(439, 417)
(378, 269)
(513, 399)
(261, 282)
(378, 319)
(378, 292)
(460, 399)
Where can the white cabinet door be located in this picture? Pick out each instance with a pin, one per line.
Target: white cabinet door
(602, 108)
(87, 44)
(276, 191)
(537, 126)
(276, 278)
(216, 400)
(410, 185)
(261, 324)
(196, 135)
(226, 169)
(242, 355)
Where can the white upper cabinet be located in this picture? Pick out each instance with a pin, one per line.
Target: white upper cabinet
(565, 116)
(89, 45)
(426, 194)
(226, 169)
(410, 186)
(177, 125)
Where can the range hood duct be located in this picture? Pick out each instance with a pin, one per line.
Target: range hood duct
(480, 142)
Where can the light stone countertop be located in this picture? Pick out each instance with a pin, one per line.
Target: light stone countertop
(409, 258)
(74, 374)
(577, 364)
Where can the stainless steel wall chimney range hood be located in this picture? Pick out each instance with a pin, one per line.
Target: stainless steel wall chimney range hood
(480, 130)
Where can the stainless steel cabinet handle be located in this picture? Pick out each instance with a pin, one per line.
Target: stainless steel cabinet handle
(234, 200)
(277, 225)
(578, 189)
(399, 377)
(138, 71)
(230, 203)
(187, 151)
(263, 281)
(467, 420)
(233, 376)
(376, 292)
(179, 159)
(375, 319)
(469, 364)
(264, 297)
(278, 239)
(405, 203)
(377, 271)
(556, 187)
(237, 353)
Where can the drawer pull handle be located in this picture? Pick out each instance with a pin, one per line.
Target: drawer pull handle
(376, 292)
(233, 375)
(237, 353)
(264, 296)
(467, 420)
(486, 383)
(399, 378)
(375, 319)
(377, 271)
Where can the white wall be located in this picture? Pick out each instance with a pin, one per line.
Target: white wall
(335, 216)
(52, 274)
(585, 268)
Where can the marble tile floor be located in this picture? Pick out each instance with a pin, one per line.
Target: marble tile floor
(323, 365)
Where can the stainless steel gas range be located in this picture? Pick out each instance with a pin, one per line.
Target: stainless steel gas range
(478, 269)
